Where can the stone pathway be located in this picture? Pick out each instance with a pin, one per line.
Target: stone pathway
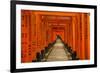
(58, 52)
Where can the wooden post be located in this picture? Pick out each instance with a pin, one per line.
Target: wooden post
(82, 38)
(73, 32)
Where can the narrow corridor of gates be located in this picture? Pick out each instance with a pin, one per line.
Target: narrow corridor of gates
(40, 28)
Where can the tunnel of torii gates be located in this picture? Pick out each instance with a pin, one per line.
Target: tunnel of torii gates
(39, 28)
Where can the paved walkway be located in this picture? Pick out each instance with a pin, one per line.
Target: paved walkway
(58, 52)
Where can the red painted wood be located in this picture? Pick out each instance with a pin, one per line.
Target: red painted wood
(39, 28)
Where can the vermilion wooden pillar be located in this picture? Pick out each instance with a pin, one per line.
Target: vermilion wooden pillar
(67, 33)
(78, 35)
(33, 35)
(87, 36)
(38, 33)
(66, 36)
(70, 34)
(44, 31)
(74, 33)
(82, 37)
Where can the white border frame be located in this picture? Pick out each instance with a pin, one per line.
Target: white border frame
(20, 65)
